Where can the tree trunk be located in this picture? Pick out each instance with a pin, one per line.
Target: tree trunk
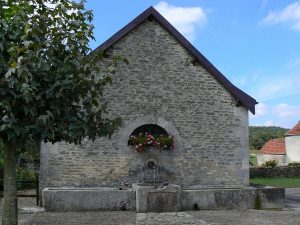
(10, 208)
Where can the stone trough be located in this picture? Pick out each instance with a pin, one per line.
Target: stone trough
(168, 198)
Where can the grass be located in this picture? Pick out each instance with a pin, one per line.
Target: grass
(252, 160)
(277, 181)
(254, 152)
(252, 157)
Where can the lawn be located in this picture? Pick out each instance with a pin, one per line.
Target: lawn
(252, 157)
(277, 181)
(252, 160)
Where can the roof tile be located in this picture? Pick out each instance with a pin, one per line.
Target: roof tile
(274, 147)
(295, 130)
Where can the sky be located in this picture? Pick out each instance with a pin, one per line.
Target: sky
(254, 43)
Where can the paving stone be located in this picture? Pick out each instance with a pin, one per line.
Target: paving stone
(205, 217)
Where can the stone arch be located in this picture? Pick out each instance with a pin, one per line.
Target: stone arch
(153, 129)
(130, 126)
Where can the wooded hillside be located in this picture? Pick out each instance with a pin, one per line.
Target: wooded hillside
(258, 136)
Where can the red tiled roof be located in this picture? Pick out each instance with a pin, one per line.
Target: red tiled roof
(295, 130)
(274, 147)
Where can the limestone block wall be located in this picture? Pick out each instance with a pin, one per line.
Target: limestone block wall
(292, 144)
(162, 85)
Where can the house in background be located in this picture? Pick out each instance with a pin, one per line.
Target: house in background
(292, 143)
(274, 149)
(284, 150)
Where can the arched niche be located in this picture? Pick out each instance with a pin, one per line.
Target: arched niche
(149, 129)
(130, 126)
(152, 129)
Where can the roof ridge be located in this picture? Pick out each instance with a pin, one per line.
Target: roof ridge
(295, 130)
(244, 98)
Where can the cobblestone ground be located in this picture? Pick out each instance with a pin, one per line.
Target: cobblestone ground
(167, 219)
(249, 217)
(217, 217)
(82, 218)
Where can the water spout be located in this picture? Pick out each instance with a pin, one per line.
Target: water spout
(151, 173)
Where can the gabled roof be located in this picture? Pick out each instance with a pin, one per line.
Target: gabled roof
(274, 147)
(295, 130)
(244, 98)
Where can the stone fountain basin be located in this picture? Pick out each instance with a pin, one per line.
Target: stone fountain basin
(157, 198)
(170, 198)
(88, 199)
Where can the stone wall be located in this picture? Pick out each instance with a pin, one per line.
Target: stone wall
(161, 85)
(262, 158)
(282, 171)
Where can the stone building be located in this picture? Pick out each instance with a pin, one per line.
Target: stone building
(284, 150)
(168, 88)
(274, 149)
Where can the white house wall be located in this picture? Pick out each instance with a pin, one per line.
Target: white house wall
(292, 144)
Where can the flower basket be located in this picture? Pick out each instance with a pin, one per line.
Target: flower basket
(141, 142)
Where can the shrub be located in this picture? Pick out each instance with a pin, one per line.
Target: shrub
(294, 164)
(270, 164)
(25, 175)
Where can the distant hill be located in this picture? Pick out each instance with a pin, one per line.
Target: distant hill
(258, 136)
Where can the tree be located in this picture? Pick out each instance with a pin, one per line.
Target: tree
(50, 84)
(258, 136)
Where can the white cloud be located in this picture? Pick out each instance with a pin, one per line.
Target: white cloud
(245, 80)
(290, 13)
(269, 123)
(287, 111)
(283, 115)
(184, 19)
(270, 87)
(261, 109)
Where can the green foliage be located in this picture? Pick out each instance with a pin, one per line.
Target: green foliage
(30, 152)
(258, 136)
(50, 84)
(24, 176)
(294, 164)
(270, 164)
(252, 160)
(284, 182)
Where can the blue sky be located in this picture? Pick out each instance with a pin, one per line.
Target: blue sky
(254, 43)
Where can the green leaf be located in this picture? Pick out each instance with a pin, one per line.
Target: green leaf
(51, 89)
